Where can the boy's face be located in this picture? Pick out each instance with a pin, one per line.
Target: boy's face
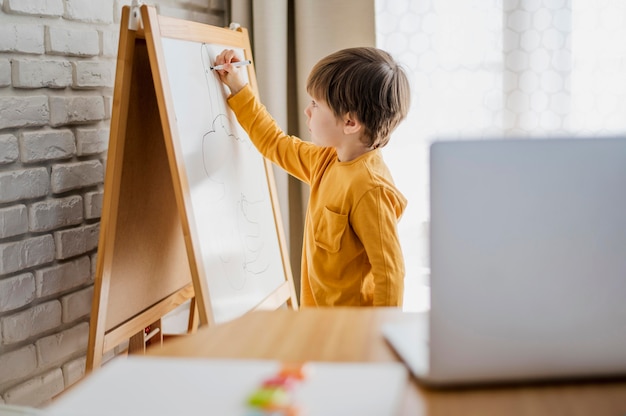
(326, 130)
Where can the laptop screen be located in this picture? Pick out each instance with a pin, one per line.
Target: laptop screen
(528, 257)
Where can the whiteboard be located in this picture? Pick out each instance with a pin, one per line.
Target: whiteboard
(228, 196)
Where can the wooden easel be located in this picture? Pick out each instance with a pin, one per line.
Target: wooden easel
(149, 259)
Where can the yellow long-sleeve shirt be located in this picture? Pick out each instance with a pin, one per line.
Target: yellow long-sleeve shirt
(350, 233)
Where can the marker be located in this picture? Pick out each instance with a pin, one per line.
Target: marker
(238, 63)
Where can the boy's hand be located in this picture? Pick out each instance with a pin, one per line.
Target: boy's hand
(231, 76)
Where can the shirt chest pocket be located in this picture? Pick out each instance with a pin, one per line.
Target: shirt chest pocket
(330, 229)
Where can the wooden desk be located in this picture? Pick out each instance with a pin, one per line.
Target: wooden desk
(353, 335)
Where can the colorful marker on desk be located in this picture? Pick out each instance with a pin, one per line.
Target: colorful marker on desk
(275, 396)
(235, 64)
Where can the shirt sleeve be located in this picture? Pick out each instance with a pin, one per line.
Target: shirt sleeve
(374, 220)
(295, 156)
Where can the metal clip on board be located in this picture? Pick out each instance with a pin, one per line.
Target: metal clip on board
(134, 21)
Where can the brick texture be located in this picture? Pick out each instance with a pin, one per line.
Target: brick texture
(63, 277)
(19, 255)
(108, 43)
(72, 42)
(55, 213)
(8, 149)
(28, 111)
(23, 184)
(76, 305)
(57, 348)
(42, 145)
(17, 364)
(13, 221)
(68, 176)
(49, 8)
(29, 73)
(91, 141)
(90, 74)
(74, 371)
(96, 12)
(93, 204)
(33, 321)
(5, 72)
(22, 290)
(36, 391)
(76, 241)
(24, 38)
(76, 110)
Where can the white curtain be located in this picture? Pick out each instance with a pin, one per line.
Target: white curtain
(497, 68)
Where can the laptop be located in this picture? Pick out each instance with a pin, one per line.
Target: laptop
(528, 263)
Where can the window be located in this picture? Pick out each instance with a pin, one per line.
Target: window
(496, 68)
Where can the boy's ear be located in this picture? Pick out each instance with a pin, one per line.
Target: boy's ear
(351, 124)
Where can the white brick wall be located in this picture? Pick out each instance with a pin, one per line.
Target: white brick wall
(57, 73)
(93, 204)
(38, 390)
(49, 8)
(19, 255)
(68, 176)
(8, 149)
(42, 145)
(23, 184)
(76, 241)
(63, 277)
(86, 11)
(30, 111)
(18, 364)
(32, 321)
(76, 110)
(74, 371)
(72, 42)
(24, 38)
(30, 73)
(108, 43)
(55, 213)
(77, 305)
(13, 221)
(90, 74)
(90, 141)
(58, 348)
(22, 290)
(5, 73)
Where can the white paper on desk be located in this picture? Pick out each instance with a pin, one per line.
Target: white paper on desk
(185, 386)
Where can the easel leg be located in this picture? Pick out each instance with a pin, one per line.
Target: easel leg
(193, 317)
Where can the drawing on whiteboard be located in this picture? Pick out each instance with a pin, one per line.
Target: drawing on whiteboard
(255, 262)
(217, 143)
(216, 153)
(234, 222)
(219, 146)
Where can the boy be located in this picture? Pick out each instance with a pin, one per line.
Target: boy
(351, 253)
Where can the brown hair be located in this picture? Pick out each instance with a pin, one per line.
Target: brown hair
(366, 83)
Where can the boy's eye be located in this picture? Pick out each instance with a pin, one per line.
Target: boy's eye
(313, 103)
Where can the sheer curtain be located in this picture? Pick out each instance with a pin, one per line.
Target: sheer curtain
(496, 68)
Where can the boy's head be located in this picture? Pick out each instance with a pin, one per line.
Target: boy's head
(366, 83)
